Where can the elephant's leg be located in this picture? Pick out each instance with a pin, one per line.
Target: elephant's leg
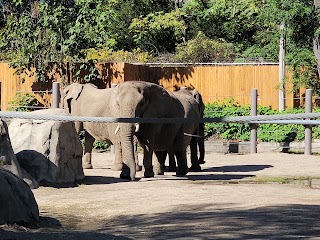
(117, 165)
(147, 163)
(158, 167)
(195, 166)
(172, 163)
(88, 143)
(182, 168)
(201, 144)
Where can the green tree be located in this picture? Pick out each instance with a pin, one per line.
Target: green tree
(158, 32)
(203, 49)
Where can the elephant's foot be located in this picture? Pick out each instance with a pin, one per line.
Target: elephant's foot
(171, 169)
(148, 173)
(195, 168)
(125, 173)
(182, 172)
(87, 165)
(201, 161)
(117, 167)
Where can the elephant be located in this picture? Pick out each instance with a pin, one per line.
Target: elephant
(137, 99)
(200, 140)
(88, 100)
(193, 107)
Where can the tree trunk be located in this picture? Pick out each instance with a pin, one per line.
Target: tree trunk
(316, 40)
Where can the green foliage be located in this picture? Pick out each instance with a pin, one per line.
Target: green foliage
(229, 131)
(34, 34)
(100, 55)
(158, 32)
(231, 20)
(241, 132)
(97, 144)
(101, 145)
(23, 102)
(203, 49)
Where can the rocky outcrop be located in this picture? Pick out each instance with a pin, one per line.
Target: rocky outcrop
(8, 159)
(17, 200)
(50, 151)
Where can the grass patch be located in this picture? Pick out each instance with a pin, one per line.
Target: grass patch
(281, 180)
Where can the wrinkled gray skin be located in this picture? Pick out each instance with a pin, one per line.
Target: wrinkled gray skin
(190, 130)
(88, 100)
(200, 140)
(197, 142)
(148, 100)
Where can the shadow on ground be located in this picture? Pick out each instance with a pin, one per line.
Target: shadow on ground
(195, 222)
(238, 168)
(218, 177)
(208, 222)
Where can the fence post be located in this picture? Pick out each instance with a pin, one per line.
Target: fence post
(55, 94)
(112, 150)
(253, 127)
(308, 128)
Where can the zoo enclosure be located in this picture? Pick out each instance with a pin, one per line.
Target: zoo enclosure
(215, 82)
(252, 120)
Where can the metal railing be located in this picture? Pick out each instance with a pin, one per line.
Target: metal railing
(253, 120)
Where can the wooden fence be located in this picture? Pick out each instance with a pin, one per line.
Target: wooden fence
(215, 82)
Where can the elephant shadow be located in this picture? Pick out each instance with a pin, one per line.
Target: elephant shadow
(218, 172)
(219, 177)
(97, 180)
(238, 168)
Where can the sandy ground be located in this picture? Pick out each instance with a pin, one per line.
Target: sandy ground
(252, 196)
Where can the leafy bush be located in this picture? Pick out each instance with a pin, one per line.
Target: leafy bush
(101, 145)
(97, 144)
(203, 49)
(241, 132)
(23, 102)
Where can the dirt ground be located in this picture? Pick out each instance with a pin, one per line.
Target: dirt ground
(252, 196)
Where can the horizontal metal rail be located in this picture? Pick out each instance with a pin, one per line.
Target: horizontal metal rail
(300, 118)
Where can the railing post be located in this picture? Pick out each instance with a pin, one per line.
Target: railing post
(253, 127)
(112, 150)
(55, 94)
(308, 128)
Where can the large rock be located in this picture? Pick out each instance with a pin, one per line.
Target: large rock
(50, 151)
(17, 200)
(8, 159)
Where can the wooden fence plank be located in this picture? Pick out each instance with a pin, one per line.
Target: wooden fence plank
(215, 83)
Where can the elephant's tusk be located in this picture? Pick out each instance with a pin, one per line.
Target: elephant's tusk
(117, 129)
(137, 127)
(192, 135)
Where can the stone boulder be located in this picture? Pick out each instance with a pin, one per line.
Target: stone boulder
(17, 200)
(50, 151)
(8, 159)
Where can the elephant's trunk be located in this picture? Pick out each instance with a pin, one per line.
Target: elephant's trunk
(127, 147)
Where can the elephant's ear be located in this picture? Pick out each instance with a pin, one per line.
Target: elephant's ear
(159, 102)
(199, 100)
(72, 92)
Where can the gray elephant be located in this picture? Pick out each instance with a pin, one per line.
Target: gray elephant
(148, 100)
(193, 108)
(88, 100)
(200, 140)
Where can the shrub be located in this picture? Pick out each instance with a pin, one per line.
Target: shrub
(203, 49)
(97, 144)
(241, 132)
(23, 102)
